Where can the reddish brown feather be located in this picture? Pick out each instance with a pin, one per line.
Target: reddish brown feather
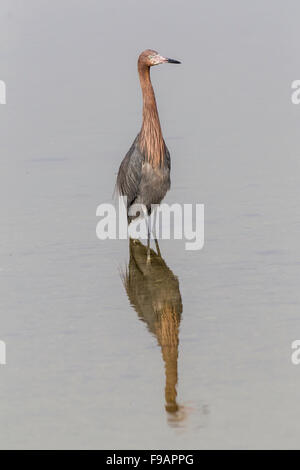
(150, 139)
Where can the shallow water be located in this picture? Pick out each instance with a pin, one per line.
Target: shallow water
(88, 367)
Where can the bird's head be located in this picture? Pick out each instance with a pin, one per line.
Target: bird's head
(149, 58)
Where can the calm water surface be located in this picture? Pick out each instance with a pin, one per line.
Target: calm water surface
(194, 353)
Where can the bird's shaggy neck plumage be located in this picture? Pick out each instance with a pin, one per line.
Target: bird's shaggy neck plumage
(151, 139)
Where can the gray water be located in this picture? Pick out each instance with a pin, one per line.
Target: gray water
(86, 368)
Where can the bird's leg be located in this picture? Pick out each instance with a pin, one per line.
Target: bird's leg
(148, 243)
(157, 247)
(154, 235)
(156, 242)
(149, 238)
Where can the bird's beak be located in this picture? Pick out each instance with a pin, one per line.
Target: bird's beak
(173, 61)
(159, 59)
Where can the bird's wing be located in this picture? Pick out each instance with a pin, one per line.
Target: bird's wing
(167, 157)
(130, 173)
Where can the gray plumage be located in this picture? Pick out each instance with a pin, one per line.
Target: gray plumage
(139, 181)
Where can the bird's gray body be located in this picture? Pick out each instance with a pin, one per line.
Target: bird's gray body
(139, 181)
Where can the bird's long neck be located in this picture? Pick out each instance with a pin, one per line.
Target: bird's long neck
(151, 139)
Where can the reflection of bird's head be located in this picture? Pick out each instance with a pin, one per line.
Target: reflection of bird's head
(149, 58)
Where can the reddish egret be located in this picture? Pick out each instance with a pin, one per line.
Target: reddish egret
(144, 174)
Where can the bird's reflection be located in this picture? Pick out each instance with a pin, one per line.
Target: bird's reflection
(153, 291)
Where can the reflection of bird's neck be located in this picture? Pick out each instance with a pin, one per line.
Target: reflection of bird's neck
(170, 358)
(167, 331)
(151, 139)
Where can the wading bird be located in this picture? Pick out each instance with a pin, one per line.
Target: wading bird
(144, 174)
